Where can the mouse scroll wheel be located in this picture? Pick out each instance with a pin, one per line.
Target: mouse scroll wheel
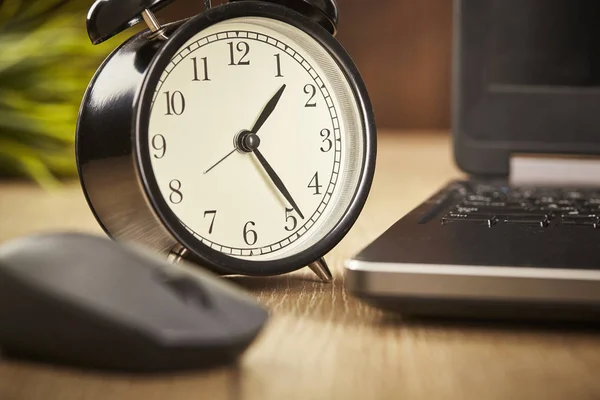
(187, 289)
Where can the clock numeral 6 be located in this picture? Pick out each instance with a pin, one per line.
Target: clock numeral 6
(327, 142)
(160, 145)
(242, 47)
(175, 103)
(176, 195)
(310, 90)
(212, 213)
(314, 184)
(250, 235)
(196, 69)
(290, 219)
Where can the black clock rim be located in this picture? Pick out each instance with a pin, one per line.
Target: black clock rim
(203, 254)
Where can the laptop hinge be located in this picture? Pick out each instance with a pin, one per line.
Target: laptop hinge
(554, 170)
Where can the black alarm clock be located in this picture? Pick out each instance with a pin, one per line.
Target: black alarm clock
(241, 139)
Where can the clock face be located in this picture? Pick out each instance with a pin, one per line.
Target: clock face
(255, 139)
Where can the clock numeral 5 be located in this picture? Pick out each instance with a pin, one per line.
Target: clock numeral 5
(197, 72)
(213, 213)
(290, 218)
(314, 184)
(327, 142)
(175, 103)
(159, 144)
(176, 196)
(311, 90)
(242, 47)
(250, 235)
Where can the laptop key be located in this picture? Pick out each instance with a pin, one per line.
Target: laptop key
(539, 220)
(581, 220)
(489, 220)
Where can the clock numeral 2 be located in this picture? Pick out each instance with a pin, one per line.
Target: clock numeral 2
(242, 47)
(327, 143)
(175, 103)
(311, 90)
(250, 235)
(314, 184)
(278, 58)
(160, 145)
(213, 213)
(205, 68)
(290, 218)
(176, 195)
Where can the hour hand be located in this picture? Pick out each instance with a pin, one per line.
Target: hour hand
(268, 110)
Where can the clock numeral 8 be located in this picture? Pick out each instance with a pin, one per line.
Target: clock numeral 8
(176, 196)
(159, 144)
(328, 144)
(288, 218)
(242, 47)
(250, 235)
(175, 103)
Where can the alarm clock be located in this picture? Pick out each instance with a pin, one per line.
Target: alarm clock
(241, 139)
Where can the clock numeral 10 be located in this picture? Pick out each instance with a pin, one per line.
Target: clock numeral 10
(290, 220)
(160, 145)
(213, 214)
(175, 103)
(278, 58)
(242, 47)
(250, 235)
(205, 68)
(310, 90)
(176, 196)
(314, 184)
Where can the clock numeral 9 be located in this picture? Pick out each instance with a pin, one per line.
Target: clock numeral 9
(250, 235)
(290, 220)
(205, 67)
(175, 103)
(213, 213)
(327, 142)
(176, 195)
(311, 90)
(314, 184)
(160, 145)
(278, 58)
(242, 47)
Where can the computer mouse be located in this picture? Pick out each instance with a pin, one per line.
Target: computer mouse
(88, 301)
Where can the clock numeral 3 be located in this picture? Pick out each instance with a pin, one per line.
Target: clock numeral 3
(278, 58)
(212, 213)
(290, 220)
(175, 103)
(160, 145)
(250, 235)
(327, 142)
(205, 68)
(314, 184)
(176, 195)
(242, 47)
(311, 90)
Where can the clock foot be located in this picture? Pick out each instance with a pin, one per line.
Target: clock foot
(320, 268)
(177, 253)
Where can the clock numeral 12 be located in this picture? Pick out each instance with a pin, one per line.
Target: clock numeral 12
(242, 47)
(250, 235)
(278, 58)
(314, 184)
(205, 67)
(176, 196)
(212, 223)
(175, 103)
(290, 218)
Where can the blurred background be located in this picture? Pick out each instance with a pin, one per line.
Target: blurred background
(402, 48)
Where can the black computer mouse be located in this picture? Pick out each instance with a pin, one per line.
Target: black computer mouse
(88, 301)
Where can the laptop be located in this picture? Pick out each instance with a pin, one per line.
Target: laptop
(521, 237)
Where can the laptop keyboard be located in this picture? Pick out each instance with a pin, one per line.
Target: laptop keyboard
(491, 205)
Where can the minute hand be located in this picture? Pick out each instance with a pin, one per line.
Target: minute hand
(277, 181)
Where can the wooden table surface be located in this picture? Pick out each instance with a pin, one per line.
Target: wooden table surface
(320, 343)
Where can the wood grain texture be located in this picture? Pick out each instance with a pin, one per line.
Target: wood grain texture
(320, 343)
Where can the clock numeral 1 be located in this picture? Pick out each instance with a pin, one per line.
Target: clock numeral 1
(205, 68)
(290, 220)
(160, 145)
(250, 235)
(314, 184)
(278, 58)
(242, 47)
(176, 195)
(175, 103)
(311, 90)
(212, 213)
(327, 142)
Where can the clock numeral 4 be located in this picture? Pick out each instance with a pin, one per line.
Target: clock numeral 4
(204, 68)
(213, 215)
(159, 144)
(310, 90)
(250, 235)
(241, 47)
(175, 103)
(176, 196)
(278, 58)
(314, 184)
(327, 142)
(290, 220)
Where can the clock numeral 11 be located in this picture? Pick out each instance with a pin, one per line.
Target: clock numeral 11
(204, 68)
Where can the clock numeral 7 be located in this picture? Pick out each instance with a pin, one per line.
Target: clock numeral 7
(205, 68)
(250, 235)
(213, 213)
(175, 103)
(290, 218)
(314, 184)
(242, 47)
